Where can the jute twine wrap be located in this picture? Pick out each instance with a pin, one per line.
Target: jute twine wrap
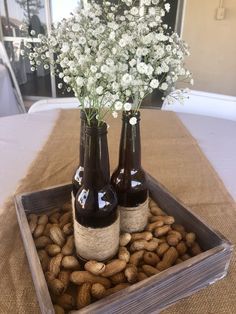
(171, 155)
(134, 219)
(98, 244)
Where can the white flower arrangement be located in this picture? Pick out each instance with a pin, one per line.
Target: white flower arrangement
(112, 56)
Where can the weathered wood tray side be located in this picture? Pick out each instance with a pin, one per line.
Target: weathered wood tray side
(152, 294)
(40, 284)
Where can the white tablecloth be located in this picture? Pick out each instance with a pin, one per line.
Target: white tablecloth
(217, 139)
(22, 136)
(8, 102)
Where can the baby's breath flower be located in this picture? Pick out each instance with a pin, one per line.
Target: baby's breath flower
(98, 75)
(132, 62)
(141, 67)
(115, 86)
(167, 7)
(152, 11)
(133, 120)
(127, 106)
(66, 79)
(82, 40)
(149, 70)
(118, 105)
(126, 79)
(75, 27)
(65, 47)
(122, 42)
(164, 86)
(99, 90)
(128, 93)
(112, 35)
(154, 83)
(110, 62)
(134, 11)
(147, 2)
(104, 68)
(141, 93)
(79, 81)
(93, 69)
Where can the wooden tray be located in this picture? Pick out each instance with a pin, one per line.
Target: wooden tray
(154, 293)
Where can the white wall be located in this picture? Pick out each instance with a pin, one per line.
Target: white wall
(212, 45)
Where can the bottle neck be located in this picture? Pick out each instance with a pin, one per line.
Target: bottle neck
(82, 137)
(91, 113)
(130, 146)
(96, 158)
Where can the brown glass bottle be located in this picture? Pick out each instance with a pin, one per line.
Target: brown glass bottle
(129, 180)
(96, 217)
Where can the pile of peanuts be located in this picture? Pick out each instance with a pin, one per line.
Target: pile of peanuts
(141, 255)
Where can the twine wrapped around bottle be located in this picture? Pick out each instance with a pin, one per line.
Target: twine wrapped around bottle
(134, 219)
(98, 244)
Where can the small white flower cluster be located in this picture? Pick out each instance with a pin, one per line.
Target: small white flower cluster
(113, 55)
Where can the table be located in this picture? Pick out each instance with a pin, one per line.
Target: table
(214, 136)
(170, 154)
(8, 103)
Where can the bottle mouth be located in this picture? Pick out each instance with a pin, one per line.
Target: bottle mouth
(130, 114)
(87, 112)
(82, 114)
(95, 129)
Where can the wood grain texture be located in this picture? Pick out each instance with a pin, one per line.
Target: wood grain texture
(154, 293)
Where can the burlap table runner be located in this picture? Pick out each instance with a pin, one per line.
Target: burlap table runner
(171, 155)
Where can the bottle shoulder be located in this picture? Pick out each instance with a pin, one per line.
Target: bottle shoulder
(132, 178)
(122, 171)
(96, 208)
(96, 199)
(130, 186)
